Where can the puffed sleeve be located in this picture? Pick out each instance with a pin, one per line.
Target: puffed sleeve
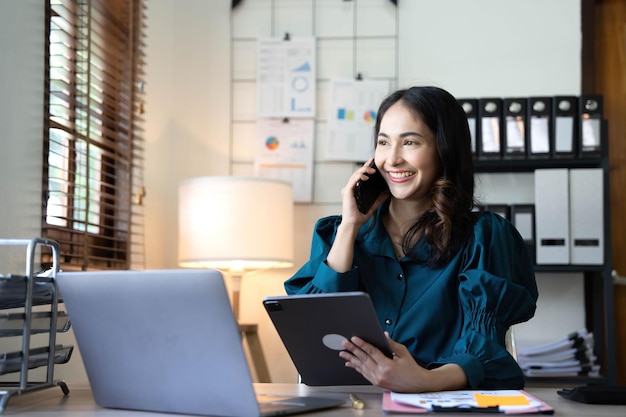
(316, 276)
(497, 289)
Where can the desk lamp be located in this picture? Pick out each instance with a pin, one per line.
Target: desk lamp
(235, 224)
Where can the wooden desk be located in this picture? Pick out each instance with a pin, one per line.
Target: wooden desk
(80, 402)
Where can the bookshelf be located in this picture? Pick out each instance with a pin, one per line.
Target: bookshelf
(598, 279)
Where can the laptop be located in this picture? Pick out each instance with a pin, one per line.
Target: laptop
(312, 327)
(166, 341)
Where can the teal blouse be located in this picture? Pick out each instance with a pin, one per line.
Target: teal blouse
(458, 313)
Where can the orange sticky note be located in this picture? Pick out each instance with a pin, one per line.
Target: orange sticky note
(489, 400)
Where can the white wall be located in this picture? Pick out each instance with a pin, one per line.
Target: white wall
(492, 48)
(187, 110)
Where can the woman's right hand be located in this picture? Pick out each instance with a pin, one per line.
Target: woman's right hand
(342, 251)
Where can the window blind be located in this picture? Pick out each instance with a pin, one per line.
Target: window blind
(93, 153)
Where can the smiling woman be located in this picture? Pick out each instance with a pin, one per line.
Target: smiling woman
(446, 283)
(93, 153)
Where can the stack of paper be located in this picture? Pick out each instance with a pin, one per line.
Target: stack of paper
(570, 356)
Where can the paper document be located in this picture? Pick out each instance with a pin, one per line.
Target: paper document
(284, 151)
(286, 77)
(353, 107)
(502, 401)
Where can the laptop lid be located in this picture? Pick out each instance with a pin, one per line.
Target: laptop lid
(162, 341)
(312, 327)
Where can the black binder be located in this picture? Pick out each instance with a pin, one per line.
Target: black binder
(566, 126)
(515, 132)
(591, 114)
(470, 106)
(540, 127)
(490, 118)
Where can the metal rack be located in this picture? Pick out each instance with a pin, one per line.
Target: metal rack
(24, 292)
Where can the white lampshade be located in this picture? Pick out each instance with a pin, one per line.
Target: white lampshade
(235, 223)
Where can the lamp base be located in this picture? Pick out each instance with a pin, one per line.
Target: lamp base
(249, 332)
(250, 336)
(235, 287)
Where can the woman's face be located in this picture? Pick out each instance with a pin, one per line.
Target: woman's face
(406, 154)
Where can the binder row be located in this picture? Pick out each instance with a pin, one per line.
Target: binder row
(535, 127)
(565, 225)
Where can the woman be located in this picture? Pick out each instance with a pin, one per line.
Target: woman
(445, 281)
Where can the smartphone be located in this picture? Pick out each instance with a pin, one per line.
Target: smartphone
(367, 192)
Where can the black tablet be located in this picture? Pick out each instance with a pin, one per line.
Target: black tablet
(312, 327)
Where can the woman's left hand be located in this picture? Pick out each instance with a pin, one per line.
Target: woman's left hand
(401, 373)
(397, 374)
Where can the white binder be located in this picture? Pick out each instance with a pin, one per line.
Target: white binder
(586, 216)
(552, 216)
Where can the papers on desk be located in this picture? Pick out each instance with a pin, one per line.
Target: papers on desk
(569, 356)
(479, 401)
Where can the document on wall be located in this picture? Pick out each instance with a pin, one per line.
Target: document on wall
(351, 119)
(286, 77)
(284, 150)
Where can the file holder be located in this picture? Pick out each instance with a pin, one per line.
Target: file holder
(552, 218)
(586, 187)
(540, 127)
(523, 218)
(591, 114)
(470, 106)
(565, 126)
(490, 117)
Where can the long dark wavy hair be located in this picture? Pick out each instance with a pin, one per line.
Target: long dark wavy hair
(449, 222)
